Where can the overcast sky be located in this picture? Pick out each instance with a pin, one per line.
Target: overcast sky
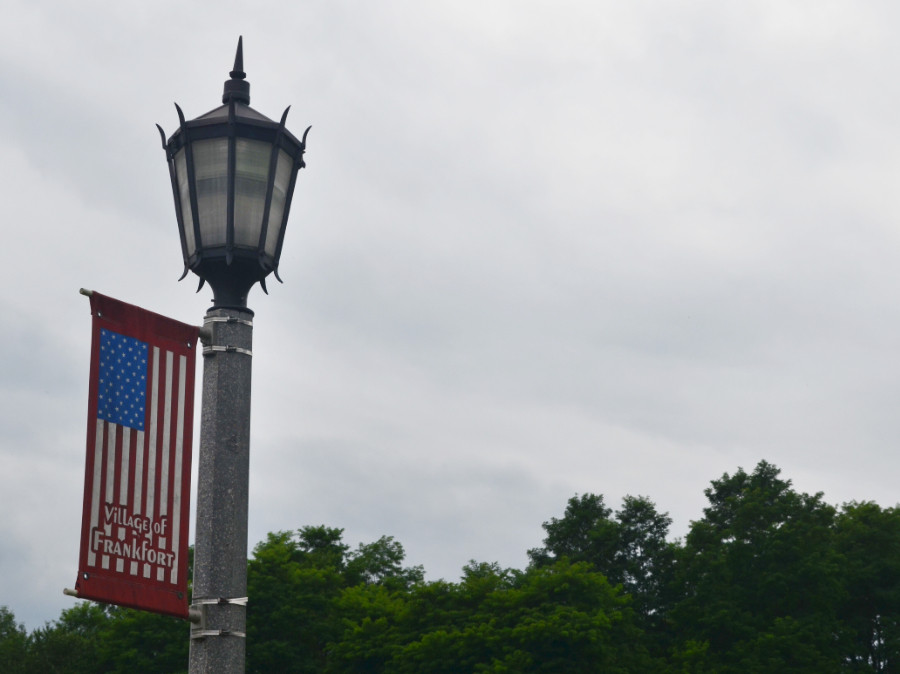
(540, 249)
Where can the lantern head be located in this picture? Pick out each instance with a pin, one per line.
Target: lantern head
(233, 173)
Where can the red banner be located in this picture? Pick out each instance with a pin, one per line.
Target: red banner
(134, 531)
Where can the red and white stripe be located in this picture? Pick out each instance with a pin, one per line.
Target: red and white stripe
(142, 470)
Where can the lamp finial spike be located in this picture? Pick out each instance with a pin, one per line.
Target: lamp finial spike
(237, 88)
(238, 71)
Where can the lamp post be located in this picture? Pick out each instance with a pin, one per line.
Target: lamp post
(233, 173)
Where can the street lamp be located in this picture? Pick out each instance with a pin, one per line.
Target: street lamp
(233, 172)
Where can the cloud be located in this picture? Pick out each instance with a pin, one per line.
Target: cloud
(536, 252)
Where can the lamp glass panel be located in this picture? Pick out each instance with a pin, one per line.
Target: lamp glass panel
(251, 177)
(184, 197)
(211, 175)
(279, 199)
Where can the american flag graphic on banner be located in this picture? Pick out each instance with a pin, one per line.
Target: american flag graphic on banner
(134, 532)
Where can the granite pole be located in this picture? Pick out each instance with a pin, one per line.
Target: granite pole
(218, 640)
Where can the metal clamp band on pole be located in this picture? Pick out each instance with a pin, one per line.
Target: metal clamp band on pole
(199, 634)
(241, 601)
(226, 349)
(227, 319)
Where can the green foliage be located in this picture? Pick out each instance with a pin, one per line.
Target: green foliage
(141, 642)
(584, 534)
(381, 562)
(629, 548)
(643, 557)
(13, 644)
(768, 580)
(74, 644)
(760, 579)
(297, 582)
(868, 538)
(94, 639)
(293, 581)
(563, 617)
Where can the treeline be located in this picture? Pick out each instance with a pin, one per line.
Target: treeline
(768, 580)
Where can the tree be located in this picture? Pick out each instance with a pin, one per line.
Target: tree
(74, 644)
(630, 549)
(558, 618)
(759, 579)
(94, 638)
(297, 582)
(381, 562)
(140, 642)
(321, 547)
(868, 539)
(584, 534)
(643, 558)
(294, 580)
(13, 644)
